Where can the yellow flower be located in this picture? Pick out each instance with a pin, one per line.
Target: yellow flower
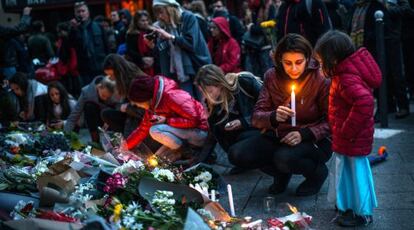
(117, 212)
(268, 24)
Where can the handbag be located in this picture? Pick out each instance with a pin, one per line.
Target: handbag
(47, 74)
(254, 41)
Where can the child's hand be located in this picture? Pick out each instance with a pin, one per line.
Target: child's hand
(158, 119)
(292, 138)
(283, 113)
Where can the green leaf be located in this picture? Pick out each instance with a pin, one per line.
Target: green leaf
(4, 186)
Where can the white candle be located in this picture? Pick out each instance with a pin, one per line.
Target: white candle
(252, 224)
(230, 193)
(213, 195)
(293, 105)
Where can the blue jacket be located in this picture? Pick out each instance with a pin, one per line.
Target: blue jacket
(191, 41)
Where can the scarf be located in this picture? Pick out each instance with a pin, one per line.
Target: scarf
(358, 23)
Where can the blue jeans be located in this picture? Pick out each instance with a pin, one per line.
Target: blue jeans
(174, 138)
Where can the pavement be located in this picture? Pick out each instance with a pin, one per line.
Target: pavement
(394, 184)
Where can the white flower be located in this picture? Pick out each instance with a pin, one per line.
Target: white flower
(40, 168)
(203, 185)
(203, 177)
(205, 213)
(19, 138)
(79, 196)
(132, 207)
(129, 167)
(163, 174)
(163, 202)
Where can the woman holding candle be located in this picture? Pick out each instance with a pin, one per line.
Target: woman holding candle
(301, 147)
(354, 75)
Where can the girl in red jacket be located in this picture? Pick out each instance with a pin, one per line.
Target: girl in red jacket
(354, 75)
(172, 117)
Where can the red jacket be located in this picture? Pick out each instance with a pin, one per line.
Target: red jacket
(225, 51)
(180, 109)
(351, 104)
(71, 66)
(311, 104)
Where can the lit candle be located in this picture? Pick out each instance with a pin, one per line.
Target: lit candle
(293, 105)
(230, 193)
(213, 195)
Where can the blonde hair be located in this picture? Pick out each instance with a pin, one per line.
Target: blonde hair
(212, 75)
(174, 14)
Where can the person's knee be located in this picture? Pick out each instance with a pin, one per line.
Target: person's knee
(237, 156)
(157, 130)
(283, 159)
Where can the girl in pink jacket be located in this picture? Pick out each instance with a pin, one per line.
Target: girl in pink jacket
(354, 75)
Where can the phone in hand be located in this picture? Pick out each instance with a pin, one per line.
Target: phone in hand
(151, 36)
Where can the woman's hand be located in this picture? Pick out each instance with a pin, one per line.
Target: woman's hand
(124, 107)
(148, 61)
(233, 125)
(158, 119)
(292, 138)
(163, 34)
(283, 113)
(56, 125)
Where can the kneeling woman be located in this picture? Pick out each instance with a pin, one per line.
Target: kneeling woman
(230, 99)
(172, 117)
(301, 148)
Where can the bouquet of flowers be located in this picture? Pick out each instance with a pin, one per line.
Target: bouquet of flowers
(269, 28)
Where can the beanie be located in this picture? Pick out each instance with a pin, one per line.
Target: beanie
(165, 3)
(141, 89)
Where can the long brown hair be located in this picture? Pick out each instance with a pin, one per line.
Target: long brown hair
(212, 75)
(133, 26)
(174, 14)
(124, 72)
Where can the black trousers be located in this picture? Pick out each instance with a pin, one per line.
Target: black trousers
(92, 116)
(265, 151)
(396, 82)
(408, 51)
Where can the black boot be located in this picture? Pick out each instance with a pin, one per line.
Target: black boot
(349, 219)
(280, 183)
(313, 182)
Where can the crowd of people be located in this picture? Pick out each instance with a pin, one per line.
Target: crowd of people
(192, 80)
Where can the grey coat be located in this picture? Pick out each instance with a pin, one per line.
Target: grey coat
(89, 94)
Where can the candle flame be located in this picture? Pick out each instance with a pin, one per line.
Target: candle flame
(293, 87)
(152, 161)
(292, 208)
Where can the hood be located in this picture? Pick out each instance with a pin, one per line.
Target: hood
(361, 63)
(162, 84)
(223, 25)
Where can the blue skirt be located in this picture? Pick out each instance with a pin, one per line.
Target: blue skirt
(351, 184)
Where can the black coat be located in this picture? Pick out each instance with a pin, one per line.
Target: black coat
(245, 99)
(8, 56)
(294, 17)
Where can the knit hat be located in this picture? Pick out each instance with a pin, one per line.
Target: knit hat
(165, 3)
(141, 89)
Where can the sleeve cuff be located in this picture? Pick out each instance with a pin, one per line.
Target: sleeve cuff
(273, 121)
(306, 134)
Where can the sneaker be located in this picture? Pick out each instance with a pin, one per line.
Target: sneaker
(349, 219)
(280, 184)
(313, 184)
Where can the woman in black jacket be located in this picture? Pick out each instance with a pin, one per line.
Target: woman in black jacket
(230, 99)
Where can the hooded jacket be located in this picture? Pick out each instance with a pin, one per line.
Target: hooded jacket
(225, 50)
(351, 104)
(180, 109)
(311, 104)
